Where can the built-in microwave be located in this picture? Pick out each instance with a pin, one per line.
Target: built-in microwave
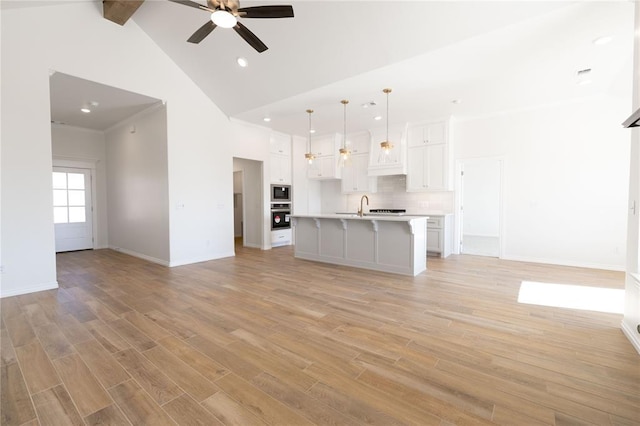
(280, 193)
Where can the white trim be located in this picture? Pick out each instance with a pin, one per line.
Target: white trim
(633, 337)
(140, 255)
(561, 262)
(201, 259)
(457, 234)
(258, 246)
(31, 289)
(130, 120)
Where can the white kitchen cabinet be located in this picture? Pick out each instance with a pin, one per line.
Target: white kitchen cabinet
(280, 144)
(440, 235)
(426, 169)
(280, 237)
(325, 165)
(428, 134)
(280, 168)
(393, 163)
(280, 158)
(359, 143)
(428, 166)
(355, 178)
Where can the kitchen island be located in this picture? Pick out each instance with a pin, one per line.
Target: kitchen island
(396, 244)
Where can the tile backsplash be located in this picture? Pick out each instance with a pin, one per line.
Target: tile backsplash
(392, 194)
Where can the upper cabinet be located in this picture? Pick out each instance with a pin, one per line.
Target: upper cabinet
(280, 157)
(325, 165)
(429, 157)
(395, 161)
(279, 143)
(355, 175)
(359, 143)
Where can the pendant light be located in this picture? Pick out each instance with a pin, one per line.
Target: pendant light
(386, 145)
(344, 152)
(309, 156)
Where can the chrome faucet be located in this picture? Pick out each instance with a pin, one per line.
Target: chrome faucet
(361, 212)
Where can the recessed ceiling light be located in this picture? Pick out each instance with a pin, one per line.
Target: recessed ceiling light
(312, 131)
(266, 119)
(377, 117)
(85, 110)
(242, 61)
(94, 103)
(369, 104)
(456, 101)
(601, 41)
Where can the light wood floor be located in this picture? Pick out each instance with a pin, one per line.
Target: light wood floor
(263, 338)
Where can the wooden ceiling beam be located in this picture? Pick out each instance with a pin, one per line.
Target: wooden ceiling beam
(119, 11)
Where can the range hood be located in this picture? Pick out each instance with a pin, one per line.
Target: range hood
(633, 120)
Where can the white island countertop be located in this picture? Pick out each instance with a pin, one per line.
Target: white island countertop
(396, 244)
(367, 216)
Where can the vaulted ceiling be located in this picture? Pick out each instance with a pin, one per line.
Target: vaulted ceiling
(489, 56)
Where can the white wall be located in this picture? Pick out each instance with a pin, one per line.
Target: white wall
(632, 287)
(87, 146)
(481, 198)
(138, 190)
(199, 152)
(565, 177)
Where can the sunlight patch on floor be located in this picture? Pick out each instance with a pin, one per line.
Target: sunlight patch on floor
(572, 296)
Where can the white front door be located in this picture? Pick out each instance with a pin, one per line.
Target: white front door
(72, 212)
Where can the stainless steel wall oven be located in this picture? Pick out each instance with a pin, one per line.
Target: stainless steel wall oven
(280, 216)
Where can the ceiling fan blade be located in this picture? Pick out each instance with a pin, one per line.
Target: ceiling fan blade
(202, 32)
(266, 12)
(250, 38)
(192, 4)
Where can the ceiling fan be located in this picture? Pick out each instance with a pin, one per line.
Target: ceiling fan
(225, 14)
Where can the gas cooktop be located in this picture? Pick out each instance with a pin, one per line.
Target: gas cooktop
(390, 212)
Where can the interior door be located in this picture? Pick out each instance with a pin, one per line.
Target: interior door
(72, 211)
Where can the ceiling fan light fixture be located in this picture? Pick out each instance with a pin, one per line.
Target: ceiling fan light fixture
(223, 19)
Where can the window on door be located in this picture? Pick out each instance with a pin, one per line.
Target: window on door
(69, 198)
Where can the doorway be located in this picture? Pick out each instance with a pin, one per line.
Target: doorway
(72, 209)
(254, 218)
(238, 211)
(481, 206)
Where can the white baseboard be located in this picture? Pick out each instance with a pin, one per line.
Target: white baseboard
(30, 289)
(632, 335)
(201, 259)
(140, 255)
(564, 263)
(258, 246)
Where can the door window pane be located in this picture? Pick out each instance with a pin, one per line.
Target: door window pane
(76, 214)
(59, 180)
(59, 197)
(60, 215)
(76, 180)
(76, 198)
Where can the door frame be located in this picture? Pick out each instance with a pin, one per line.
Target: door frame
(86, 165)
(458, 216)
